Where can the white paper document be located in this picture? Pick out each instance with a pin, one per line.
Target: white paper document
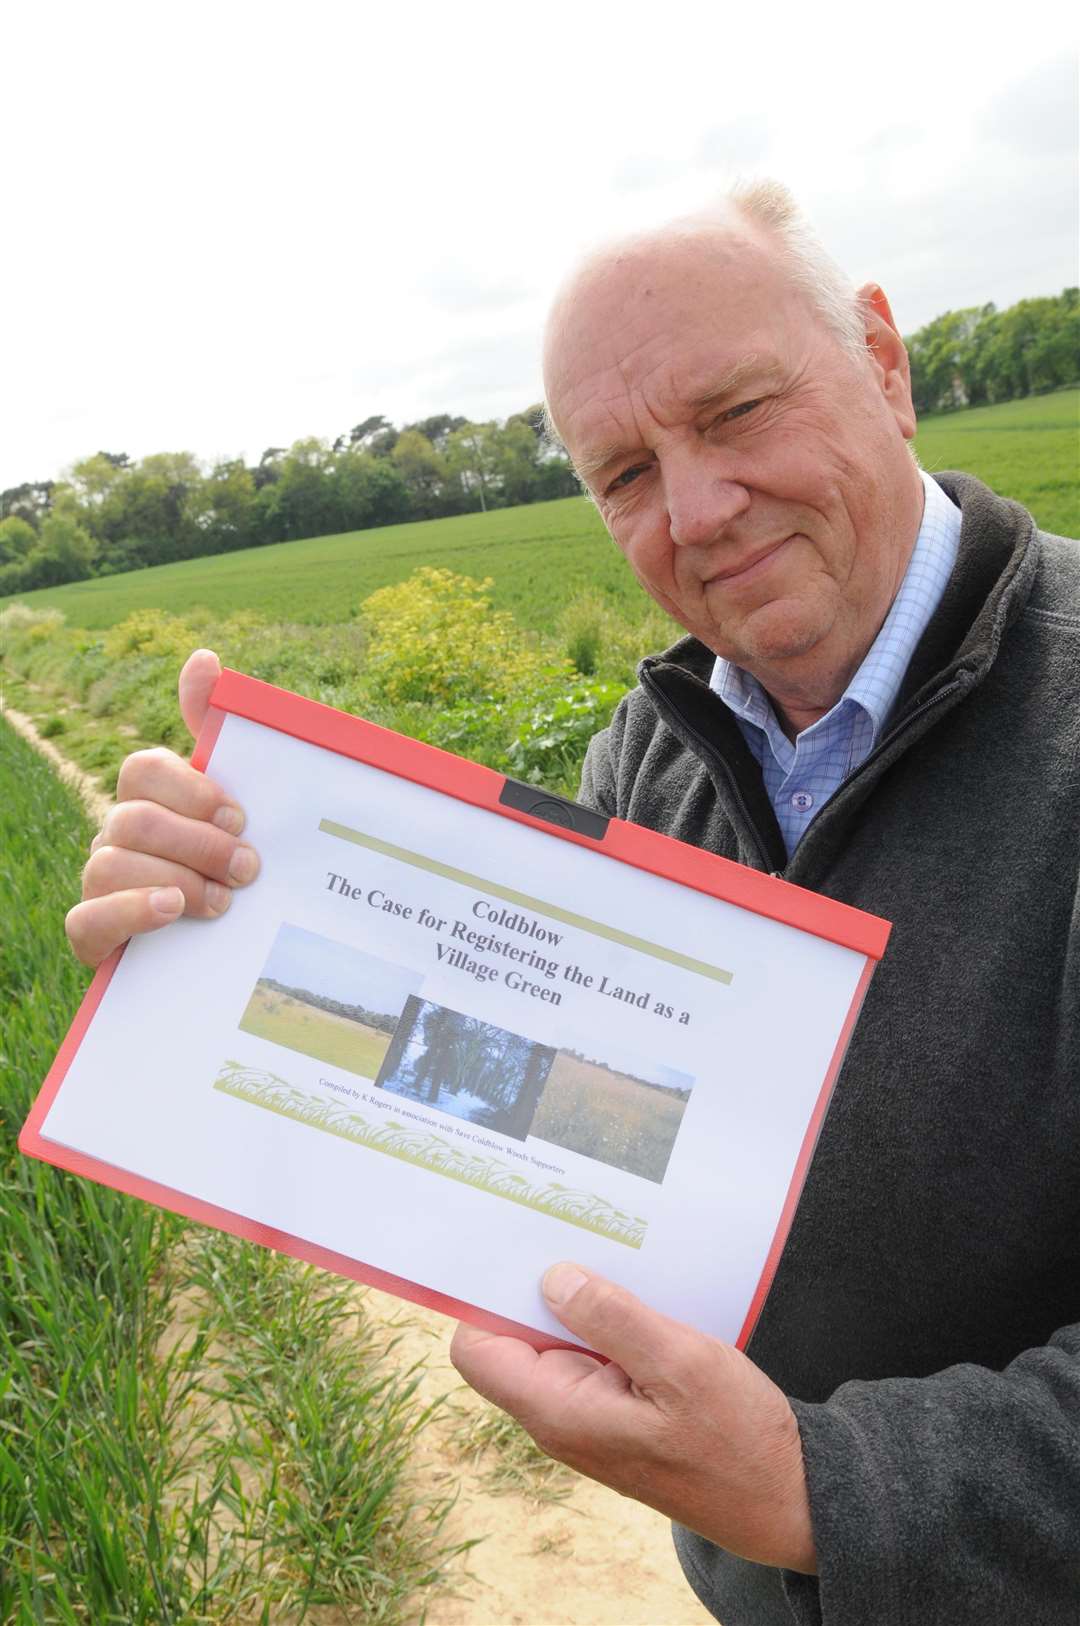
(451, 1046)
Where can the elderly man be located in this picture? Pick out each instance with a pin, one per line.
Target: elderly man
(878, 700)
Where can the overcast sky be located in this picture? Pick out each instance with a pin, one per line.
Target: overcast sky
(228, 226)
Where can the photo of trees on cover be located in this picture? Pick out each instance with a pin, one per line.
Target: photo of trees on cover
(461, 1065)
(614, 1110)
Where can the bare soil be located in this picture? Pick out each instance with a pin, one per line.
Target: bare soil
(593, 1559)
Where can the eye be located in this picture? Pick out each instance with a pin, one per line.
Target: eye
(739, 411)
(627, 477)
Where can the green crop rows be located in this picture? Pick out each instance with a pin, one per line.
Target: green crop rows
(191, 1429)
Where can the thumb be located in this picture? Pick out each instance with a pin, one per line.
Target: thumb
(200, 672)
(610, 1320)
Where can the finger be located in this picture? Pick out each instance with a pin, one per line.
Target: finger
(200, 672)
(511, 1374)
(147, 827)
(96, 928)
(159, 775)
(117, 869)
(645, 1344)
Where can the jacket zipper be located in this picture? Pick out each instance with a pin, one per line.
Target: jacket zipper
(709, 751)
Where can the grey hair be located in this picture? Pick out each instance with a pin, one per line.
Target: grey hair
(769, 205)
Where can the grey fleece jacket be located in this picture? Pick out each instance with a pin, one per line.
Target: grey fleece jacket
(925, 1317)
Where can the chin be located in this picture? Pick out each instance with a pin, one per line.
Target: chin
(776, 634)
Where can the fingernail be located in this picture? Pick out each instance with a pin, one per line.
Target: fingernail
(561, 1282)
(244, 866)
(218, 897)
(230, 818)
(167, 900)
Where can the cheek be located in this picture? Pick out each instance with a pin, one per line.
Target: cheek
(645, 544)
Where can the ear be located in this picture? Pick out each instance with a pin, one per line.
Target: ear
(888, 356)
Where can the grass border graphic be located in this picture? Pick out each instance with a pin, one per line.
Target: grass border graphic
(431, 1151)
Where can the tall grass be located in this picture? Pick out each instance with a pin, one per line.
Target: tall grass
(190, 1429)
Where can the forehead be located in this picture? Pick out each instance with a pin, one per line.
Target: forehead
(666, 322)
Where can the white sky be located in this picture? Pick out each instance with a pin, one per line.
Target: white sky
(228, 226)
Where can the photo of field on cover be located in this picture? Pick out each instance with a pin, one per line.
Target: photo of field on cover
(621, 1110)
(471, 1069)
(329, 1001)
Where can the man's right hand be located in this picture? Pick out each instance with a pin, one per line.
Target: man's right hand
(169, 845)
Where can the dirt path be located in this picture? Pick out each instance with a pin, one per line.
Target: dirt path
(593, 1559)
(88, 788)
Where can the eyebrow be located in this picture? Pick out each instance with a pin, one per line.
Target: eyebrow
(731, 381)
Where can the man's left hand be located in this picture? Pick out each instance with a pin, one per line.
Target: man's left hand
(677, 1419)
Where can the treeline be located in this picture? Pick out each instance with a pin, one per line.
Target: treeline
(980, 356)
(620, 1072)
(113, 515)
(382, 1020)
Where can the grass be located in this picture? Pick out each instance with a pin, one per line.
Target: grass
(608, 1116)
(191, 1429)
(1027, 450)
(546, 554)
(539, 556)
(336, 1040)
(512, 1462)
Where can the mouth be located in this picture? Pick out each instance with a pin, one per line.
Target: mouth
(756, 564)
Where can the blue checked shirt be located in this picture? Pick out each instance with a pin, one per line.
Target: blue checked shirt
(801, 776)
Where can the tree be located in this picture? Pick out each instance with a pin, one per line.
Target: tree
(17, 538)
(94, 477)
(30, 501)
(222, 507)
(144, 518)
(368, 491)
(64, 551)
(301, 501)
(471, 454)
(437, 428)
(269, 467)
(422, 470)
(515, 456)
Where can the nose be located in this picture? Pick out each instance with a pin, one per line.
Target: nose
(702, 498)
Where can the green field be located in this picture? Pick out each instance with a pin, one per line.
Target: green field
(185, 1434)
(337, 1040)
(545, 554)
(538, 556)
(1028, 450)
(609, 1116)
(518, 677)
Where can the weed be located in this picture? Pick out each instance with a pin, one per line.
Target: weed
(513, 1462)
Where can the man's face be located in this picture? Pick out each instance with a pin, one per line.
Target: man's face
(752, 472)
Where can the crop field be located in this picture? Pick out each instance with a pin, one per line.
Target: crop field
(542, 555)
(1028, 450)
(337, 1040)
(191, 1428)
(538, 556)
(608, 1116)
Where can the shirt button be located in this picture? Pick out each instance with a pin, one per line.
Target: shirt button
(802, 801)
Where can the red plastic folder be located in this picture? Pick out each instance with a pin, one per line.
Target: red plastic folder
(459, 1029)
